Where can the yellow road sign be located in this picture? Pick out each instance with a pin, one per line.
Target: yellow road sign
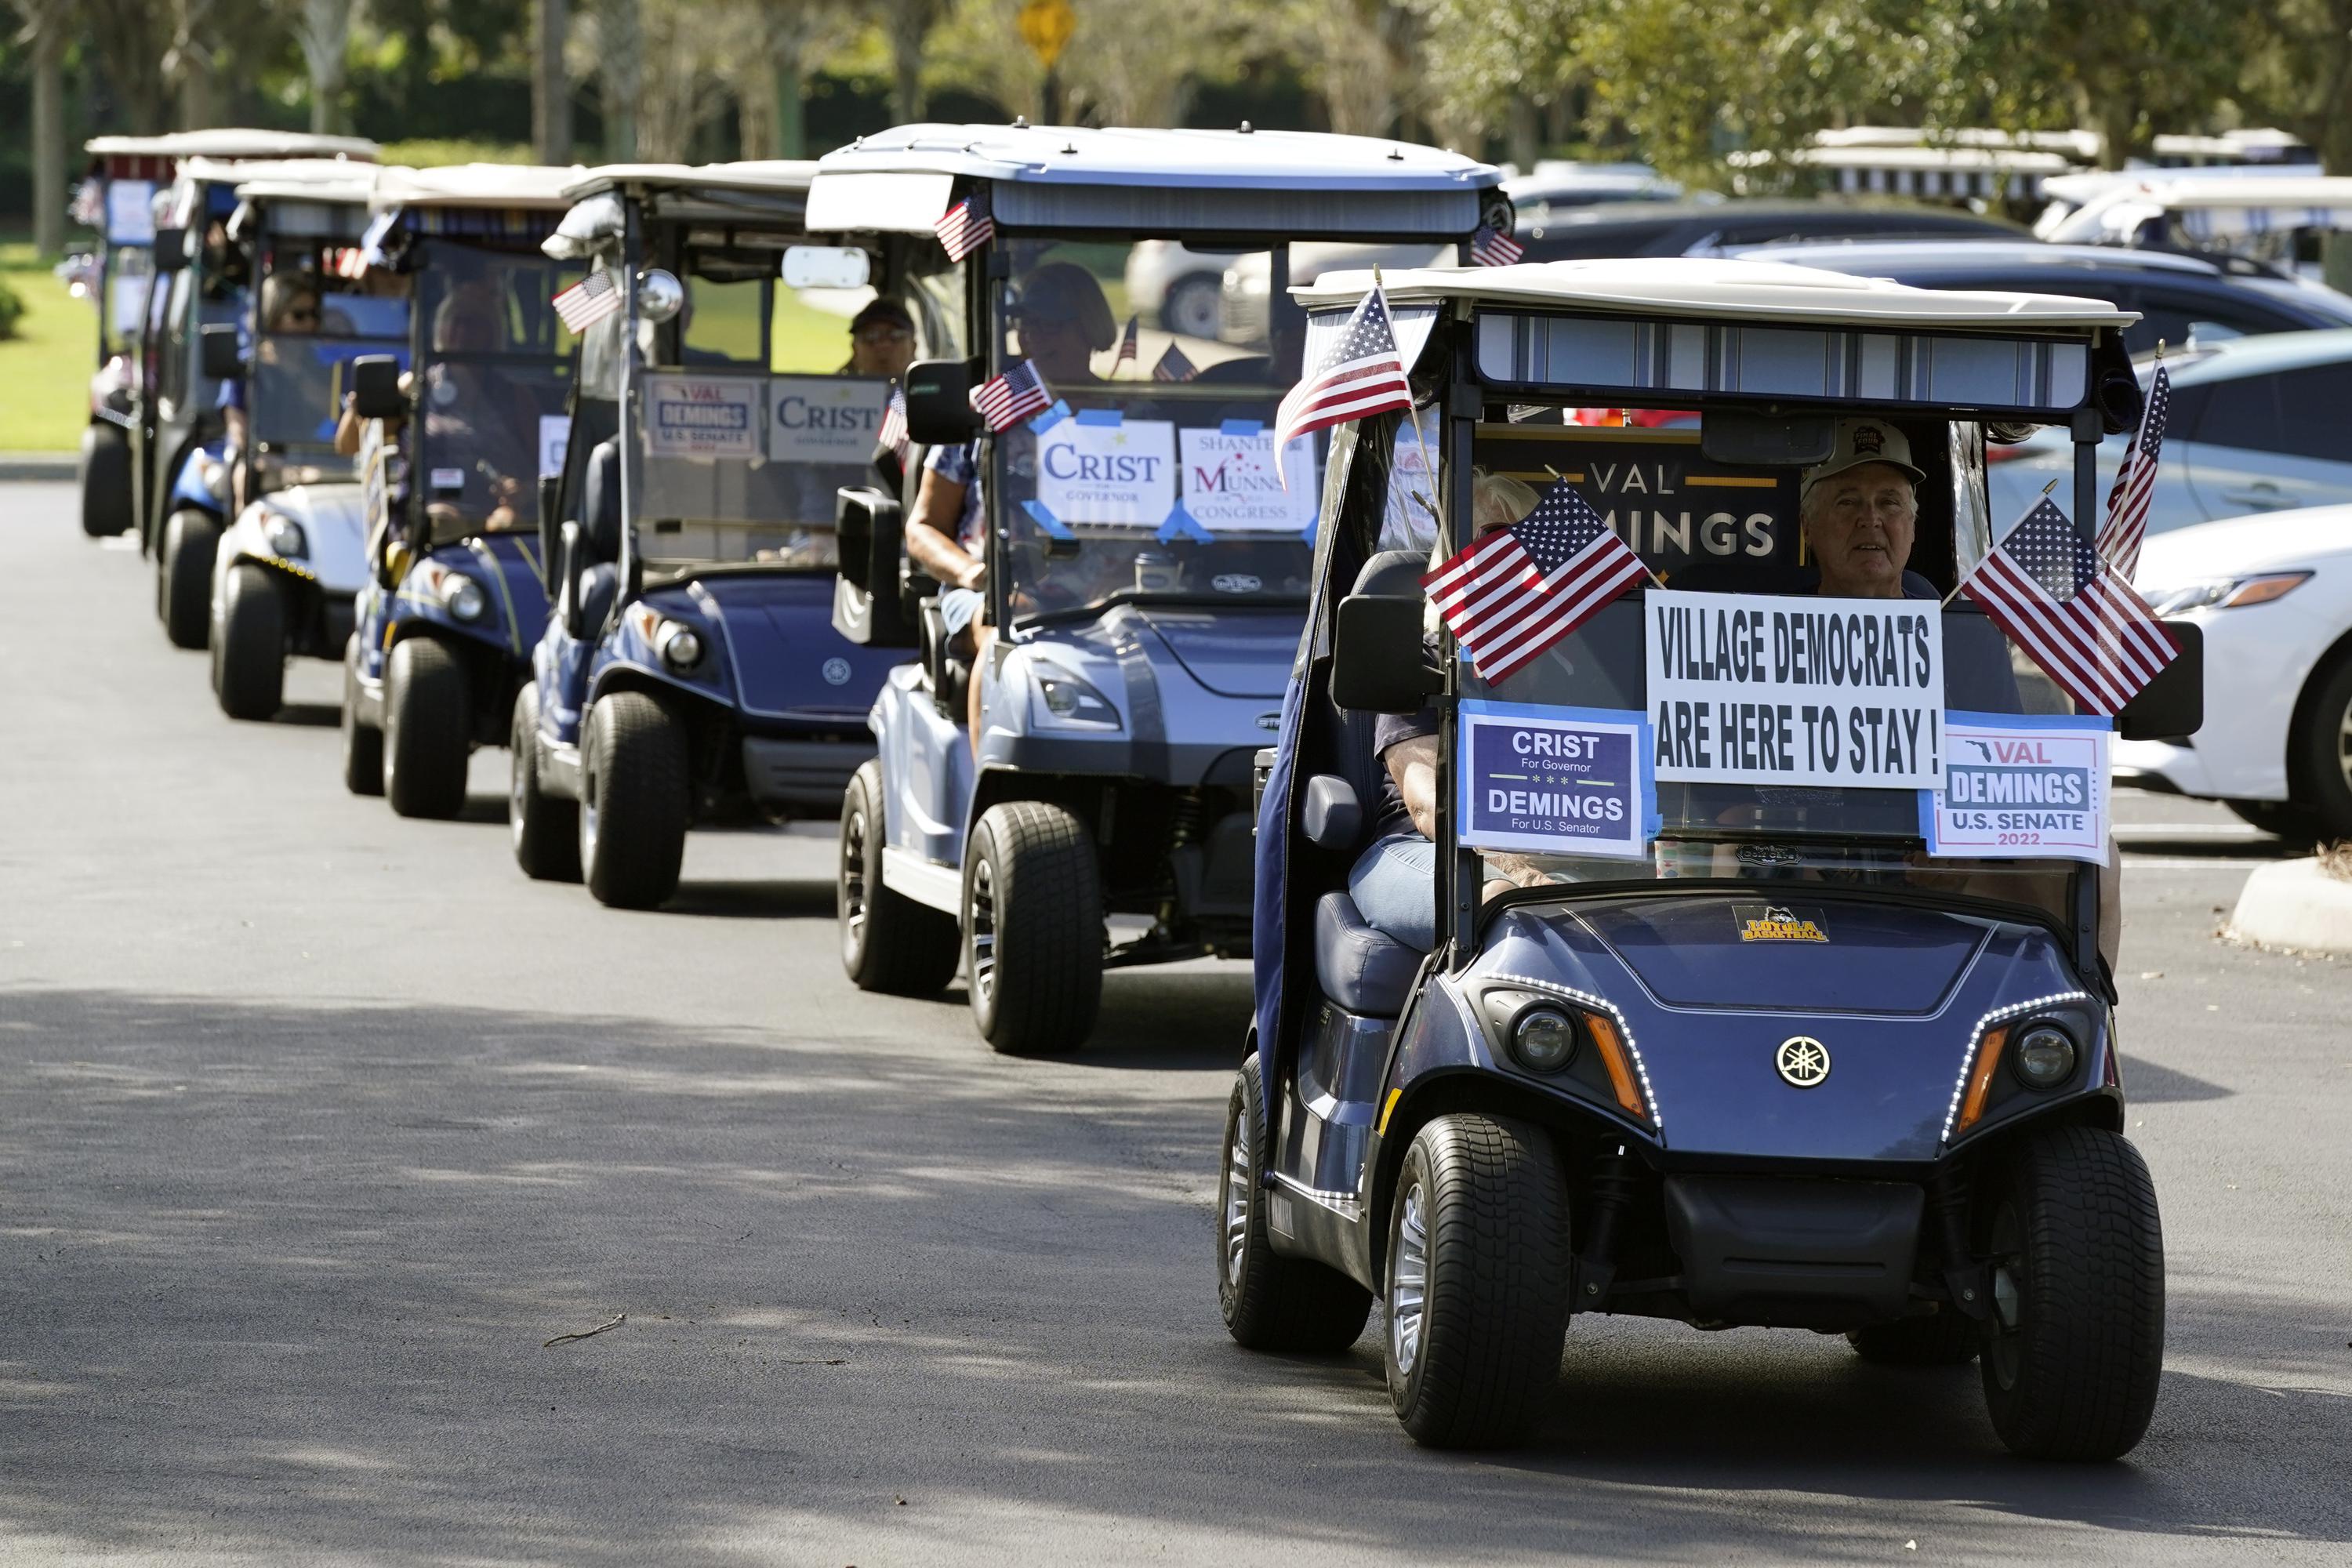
(1045, 28)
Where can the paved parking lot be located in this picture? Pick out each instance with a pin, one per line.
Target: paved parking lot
(314, 1124)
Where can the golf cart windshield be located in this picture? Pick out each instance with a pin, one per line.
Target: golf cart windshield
(313, 323)
(492, 386)
(1153, 474)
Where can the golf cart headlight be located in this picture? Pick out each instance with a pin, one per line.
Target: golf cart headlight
(463, 596)
(1066, 703)
(1543, 1038)
(2228, 593)
(680, 646)
(285, 536)
(2043, 1056)
(214, 475)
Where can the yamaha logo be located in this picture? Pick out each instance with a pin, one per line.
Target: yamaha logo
(837, 672)
(1802, 1060)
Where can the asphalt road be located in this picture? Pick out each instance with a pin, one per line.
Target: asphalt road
(315, 1123)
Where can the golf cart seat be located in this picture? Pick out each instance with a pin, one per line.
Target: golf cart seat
(1365, 971)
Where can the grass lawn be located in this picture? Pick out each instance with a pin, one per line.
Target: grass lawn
(44, 369)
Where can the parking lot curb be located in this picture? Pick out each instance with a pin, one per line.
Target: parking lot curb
(2295, 904)
(38, 465)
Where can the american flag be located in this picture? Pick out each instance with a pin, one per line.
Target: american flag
(2049, 590)
(1363, 375)
(1490, 247)
(590, 300)
(1126, 343)
(347, 261)
(1173, 366)
(965, 227)
(1013, 398)
(893, 433)
(1515, 592)
(2125, 528)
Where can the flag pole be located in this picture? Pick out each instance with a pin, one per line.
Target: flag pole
(1412, 417)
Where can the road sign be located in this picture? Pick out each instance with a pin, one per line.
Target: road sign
(1045, 28)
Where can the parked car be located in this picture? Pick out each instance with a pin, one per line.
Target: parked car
(2182, 301)
(1558, 185)
(2275, 597)
(2257, 425)
(1712, 228)
(1174, 286)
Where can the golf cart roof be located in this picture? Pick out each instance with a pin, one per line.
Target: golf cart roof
(1154, 181)
(769, 194)
(232, 144)
(307, 179)
(787, 176)
(510, 186)
(1751, 293)
(2210, 203)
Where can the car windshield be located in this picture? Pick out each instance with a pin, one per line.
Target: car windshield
(761, 402)
(496, 374)
(1152, 474)
(313, 323)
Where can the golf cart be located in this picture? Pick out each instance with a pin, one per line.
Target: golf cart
(286, 572)
(451, 457)
(1146, 558)
(119, 199)
(690, 669)
(1766, 983)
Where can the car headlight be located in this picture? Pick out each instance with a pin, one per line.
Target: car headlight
(1066, 702)
(285, 536)
(1543, 1038)
(2227, 593)
(463, 597)
(2043, 1056)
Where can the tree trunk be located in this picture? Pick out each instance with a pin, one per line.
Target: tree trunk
(2335, 148)
(49, 139)
(1524, 145)
(550, 84)
(909, 21)
(788, 118)
(623, 73)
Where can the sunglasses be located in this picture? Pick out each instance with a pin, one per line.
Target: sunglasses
(874, 337)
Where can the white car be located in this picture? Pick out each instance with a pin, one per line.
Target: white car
(1174, 287)
(2274, 594)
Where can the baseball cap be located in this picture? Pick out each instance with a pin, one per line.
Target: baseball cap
(1861, 441)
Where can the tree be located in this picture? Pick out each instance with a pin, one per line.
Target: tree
(908, 26)
(2299, 76)
(323, 28)
(44, 34)
(551, 84)
(772, 46)
(133, 37)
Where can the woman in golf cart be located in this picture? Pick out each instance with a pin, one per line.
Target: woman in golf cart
(1859, 514)
(1062, 321)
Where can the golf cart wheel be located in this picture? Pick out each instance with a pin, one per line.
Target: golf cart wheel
(888, 942)
(2320, 754)
(1271, 1302)
(546, 830)
(183, 577)
(105, 480)
(2077, 1343)
(1033, 929)
(1192, 308)
(2281, 818)
(429, 728)
(1946, 1337)
(635, 799)
(363, 743)
(249, 644)
(1477, 1282)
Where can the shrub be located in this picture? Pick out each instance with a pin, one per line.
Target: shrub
(12, 309)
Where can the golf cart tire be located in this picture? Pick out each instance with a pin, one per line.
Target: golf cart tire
(105, 480)
(1945, 1338)
(2318, 761)
(893, 944)
(546, 830)
(363, 743)
(2076, 1378)
(1271, 1302)
(249, 644)
(1495, 1297)
(183, 577)
(1037, 863)
(637, 793)
(429, 728)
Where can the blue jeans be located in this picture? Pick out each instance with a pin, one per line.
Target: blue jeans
(1395, 884)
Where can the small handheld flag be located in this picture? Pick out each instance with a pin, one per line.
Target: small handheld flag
(590, 300)
(1491, 247)
(1012, 398)
(965, 227)
(2125, 528)
(1126, 343)
(2061, 603)
(1513, 594)
(893, 433)
(1173, 366)
(1362, 375)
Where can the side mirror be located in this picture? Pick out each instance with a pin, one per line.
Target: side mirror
(938, 402)
(171, 250)
(827, 267)
(2172, 706)
(1377, 664)
(869, 530)
(216, 352)
(376, 387)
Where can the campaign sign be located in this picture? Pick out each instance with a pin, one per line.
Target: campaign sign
(129, 212)
(1792, 691)
(824, 418)
(2020, 787)
(1097, 466)
(1231, 484)
(1666, 498)
(1553, 781)
(554, 436)
(703, 415)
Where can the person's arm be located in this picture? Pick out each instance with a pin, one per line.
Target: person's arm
(930, 533)
(1413, 764)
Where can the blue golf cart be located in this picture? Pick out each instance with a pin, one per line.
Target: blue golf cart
(451, 458)
(691, 670)
(287, 571)
(1760, 978)
(1140, 548)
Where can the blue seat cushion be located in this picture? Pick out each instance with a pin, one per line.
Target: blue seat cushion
(1361, 969)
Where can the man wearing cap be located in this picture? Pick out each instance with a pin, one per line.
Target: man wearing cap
(1860, 511)
(881, 340)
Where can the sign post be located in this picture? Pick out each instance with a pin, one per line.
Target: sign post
(1046, 27)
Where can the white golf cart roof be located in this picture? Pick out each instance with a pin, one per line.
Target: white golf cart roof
(343, 187)
(1151, 181)
(779, 174)
(233, 144)
(769, 194)
(508, 185)
(2210, 204)
(312, 179)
